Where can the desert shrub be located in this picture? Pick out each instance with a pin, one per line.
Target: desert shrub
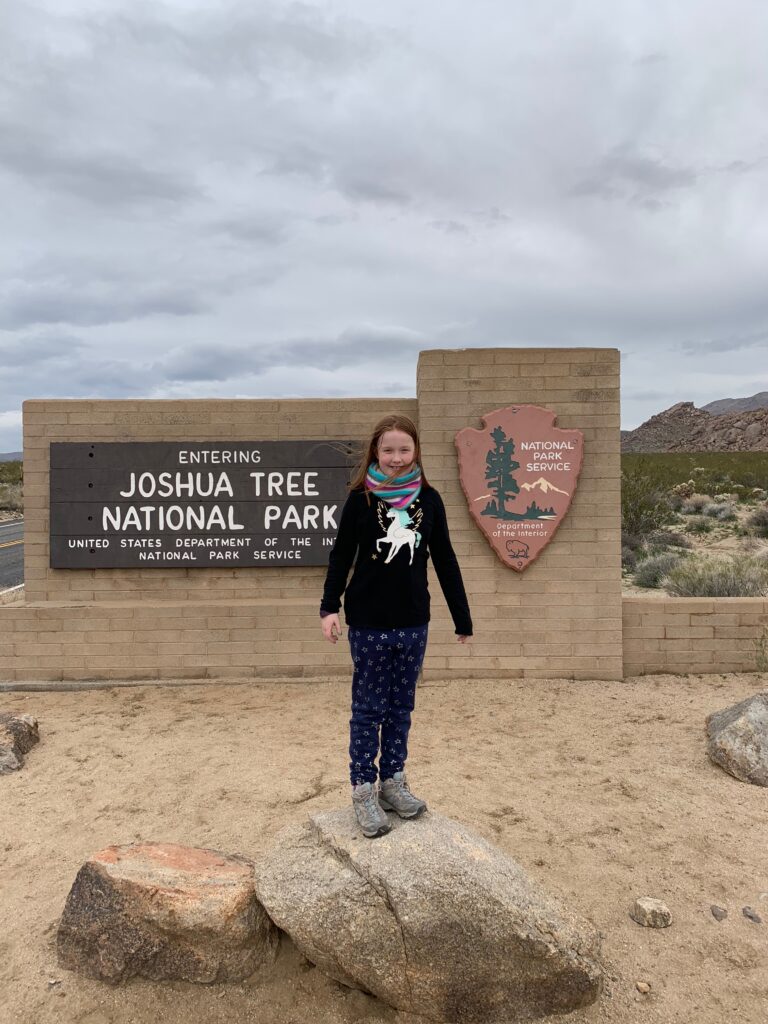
(739, 576)
(741, 493)
(696, 503)
(723, 484)
(651, 571)
(663, 539)
(727, 514)
(757, 523)
(644, 507)
(11, 472)
(720, 511)
(757, 494)
(698, 524)
(684, 490)
(10, 497)
(633, 541)
(748, 542)
(628, 558)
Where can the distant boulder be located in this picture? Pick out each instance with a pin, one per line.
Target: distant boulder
(430, 918)
(165, 912)
(737, 739)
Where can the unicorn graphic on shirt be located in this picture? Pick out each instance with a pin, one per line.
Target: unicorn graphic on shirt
(398, 533)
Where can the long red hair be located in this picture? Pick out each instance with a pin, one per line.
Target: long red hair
(393, 422)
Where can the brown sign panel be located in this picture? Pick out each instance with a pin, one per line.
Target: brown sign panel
(195, 504)
(519, 473)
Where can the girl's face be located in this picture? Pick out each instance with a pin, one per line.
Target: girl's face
(396, 452)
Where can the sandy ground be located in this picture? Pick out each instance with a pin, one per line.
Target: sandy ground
(601, 790)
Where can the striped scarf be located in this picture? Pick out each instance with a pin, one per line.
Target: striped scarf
(397, 491)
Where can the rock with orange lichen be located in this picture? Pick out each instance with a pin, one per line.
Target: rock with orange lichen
(165, 912)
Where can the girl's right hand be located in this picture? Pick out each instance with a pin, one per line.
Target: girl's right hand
(331, 628)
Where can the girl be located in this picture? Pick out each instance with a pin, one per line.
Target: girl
(390, 521)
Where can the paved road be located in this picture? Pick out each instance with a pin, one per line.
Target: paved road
(11, 554)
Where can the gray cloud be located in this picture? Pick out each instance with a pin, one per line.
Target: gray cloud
(266, 230)
(52, 365)
(104, 178)
(37, 350)
(736, 343)
(359, 187)
(23, 304)
(450, 227)
(353, 347)
(635, 178)
(238, 40)
(649, 395)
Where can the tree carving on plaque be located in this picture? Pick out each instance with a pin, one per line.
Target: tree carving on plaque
(499, 467)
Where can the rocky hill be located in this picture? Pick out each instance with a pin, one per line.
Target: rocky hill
(684, 428)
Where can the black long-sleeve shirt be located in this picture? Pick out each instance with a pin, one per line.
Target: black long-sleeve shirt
(389, 587)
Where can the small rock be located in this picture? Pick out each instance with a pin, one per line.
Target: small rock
(18, 734)
(643, 986)
(752, 915)
(719, 913)
(651, 913)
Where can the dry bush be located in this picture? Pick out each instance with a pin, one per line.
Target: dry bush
(739, 576)
(757, 524)
(696, 503)
(698, 524)
(644, 506)
(723, 512)
(651, 571)
(10, 498)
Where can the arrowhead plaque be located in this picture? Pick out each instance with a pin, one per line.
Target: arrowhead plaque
(519, 474)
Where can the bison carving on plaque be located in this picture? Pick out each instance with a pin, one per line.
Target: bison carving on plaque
(519, 473)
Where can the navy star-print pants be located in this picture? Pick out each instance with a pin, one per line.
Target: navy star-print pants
(387, 663)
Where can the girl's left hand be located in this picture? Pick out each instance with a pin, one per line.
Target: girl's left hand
(463, 639)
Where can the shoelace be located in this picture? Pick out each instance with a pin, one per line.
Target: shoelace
(370, 803)
(401, 786)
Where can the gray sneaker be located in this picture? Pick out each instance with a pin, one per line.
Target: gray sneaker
(394, 795)
(367, 811)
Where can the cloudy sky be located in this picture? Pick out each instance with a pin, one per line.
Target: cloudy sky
(251, 199)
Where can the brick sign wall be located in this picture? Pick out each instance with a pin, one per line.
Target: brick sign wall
(562, 617)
